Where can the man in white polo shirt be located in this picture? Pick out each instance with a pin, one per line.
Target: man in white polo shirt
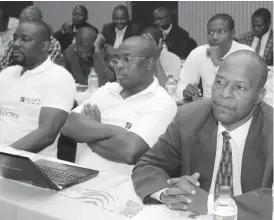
(36, 95)
(123, 120)
(202, 61)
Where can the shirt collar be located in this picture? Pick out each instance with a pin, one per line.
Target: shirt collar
(166, 32)
(116, 88)
(239, 134)
(40, 68)
(122, 31)
(266, 35)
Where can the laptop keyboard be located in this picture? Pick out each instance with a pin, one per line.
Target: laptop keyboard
(60, 177)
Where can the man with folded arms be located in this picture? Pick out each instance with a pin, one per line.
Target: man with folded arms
(202, 61)
(36, 94)
(226, 140)
(123, 119)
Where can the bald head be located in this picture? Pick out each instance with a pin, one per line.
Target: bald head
(163, 11)
(30, 13)
(39, 28)
(254, 65)
(86, 34)
(137, 46)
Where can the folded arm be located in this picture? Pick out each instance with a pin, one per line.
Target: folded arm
(51, 121)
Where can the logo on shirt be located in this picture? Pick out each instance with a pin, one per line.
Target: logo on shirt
(9, 114)
(31, 101)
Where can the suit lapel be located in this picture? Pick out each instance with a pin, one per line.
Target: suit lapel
(253, 161)
(127, 32)
(203, 150)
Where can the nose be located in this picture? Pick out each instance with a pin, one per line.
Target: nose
(227, 92)
(215, 36)
(16, 43)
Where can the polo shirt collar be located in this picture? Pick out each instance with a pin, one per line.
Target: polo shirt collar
(42, 67)
(116, 88)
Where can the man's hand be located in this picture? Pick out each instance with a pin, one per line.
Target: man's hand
(191, 90)
(177, 195)
(66, 28)
(215, 54)
(92, 111)
(99, 42)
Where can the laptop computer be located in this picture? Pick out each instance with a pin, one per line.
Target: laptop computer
(43, 173)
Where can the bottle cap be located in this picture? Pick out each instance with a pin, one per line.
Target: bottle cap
(225, 190)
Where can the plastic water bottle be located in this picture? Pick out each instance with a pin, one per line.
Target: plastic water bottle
(93, 81)
(171, 86)
(225, 207)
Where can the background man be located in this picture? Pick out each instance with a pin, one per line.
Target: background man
(67, 32)
(176, 39)
(126, 117)
(54, 49)
(234, 129)
(203, 60)
(36, 94)
(121, 27)
(261, 36)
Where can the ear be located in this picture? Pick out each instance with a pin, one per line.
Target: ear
(233, 33)
(260, 96)
(151, 64)
(45, 46)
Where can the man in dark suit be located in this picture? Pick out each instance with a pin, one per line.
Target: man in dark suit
(261, 36)
(84, 54)
(176, 39)
(120, 28)
(67, 32)
(233, 130)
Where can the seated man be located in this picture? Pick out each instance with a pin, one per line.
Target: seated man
(202, 61)
(170, 62)
(81, 56)
(6, 32)
(176, 39)
(234, 129)
(66, 35)
(261, 36)
(54, 50)
(120, 28)
(122, 120)
(36, 94)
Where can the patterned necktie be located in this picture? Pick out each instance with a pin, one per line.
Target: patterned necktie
(224, 175)
(258, 47)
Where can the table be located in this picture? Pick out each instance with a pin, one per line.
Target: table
(107, 196)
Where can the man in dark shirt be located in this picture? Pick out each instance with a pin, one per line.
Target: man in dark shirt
(67, 32)
(176, 39)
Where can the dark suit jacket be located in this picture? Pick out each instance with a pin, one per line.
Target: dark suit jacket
(73, 65)
(247, 38)
(189, 146)
(67, 38)
(179, 42)
(110, 34)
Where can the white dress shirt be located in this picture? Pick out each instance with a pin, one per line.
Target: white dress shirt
(166, 32)
(237, 142)
(263, 43)
(198, 64)
(119, 36)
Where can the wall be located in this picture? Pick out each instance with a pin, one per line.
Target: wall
(193, 16)
(56, 13)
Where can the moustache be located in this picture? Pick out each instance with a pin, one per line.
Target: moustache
(221, 104)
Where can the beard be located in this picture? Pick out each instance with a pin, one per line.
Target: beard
(19, 59)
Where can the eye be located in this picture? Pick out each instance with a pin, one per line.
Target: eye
(219, 82)
(242, 88)
(210, 32)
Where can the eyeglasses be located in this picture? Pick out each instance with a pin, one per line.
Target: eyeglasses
(119, 62)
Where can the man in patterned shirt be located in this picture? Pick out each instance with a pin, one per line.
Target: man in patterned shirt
(55, 52)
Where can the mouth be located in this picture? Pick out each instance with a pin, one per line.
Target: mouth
(224, 106)
(17, 53)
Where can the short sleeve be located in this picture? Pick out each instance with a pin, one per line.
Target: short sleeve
(60, 91)
(155, 121)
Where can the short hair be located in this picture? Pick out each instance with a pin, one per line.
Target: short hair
(224, 17)
(264, 13)
(33, 13)
(82, 7)
(86, 33)
(122, 8)
(156, 33)
(45, 32)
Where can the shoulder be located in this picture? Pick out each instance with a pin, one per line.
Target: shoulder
(59, 75)
(108, 26)
(240, 46)
(267, 112)
(91, 26)
(246, 35)
(195, 112)
(199, 51)
(9, 70)
(180, 31)
(134, 27)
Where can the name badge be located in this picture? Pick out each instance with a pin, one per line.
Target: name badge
(31, 101)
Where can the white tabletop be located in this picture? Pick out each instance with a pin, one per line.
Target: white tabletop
(107, 196)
